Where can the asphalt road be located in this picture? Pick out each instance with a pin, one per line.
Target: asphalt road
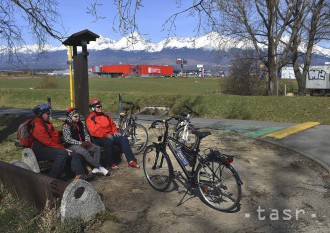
(313, 143)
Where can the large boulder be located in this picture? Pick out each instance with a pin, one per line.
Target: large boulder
(80, 200)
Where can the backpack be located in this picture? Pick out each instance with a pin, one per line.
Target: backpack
(24, 133)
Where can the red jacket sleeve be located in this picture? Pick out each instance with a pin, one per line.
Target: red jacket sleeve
(48, 138)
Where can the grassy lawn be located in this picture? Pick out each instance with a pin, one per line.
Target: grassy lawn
(202, 94)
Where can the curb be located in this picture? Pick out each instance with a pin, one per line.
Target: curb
(291, 130)
(323, 165)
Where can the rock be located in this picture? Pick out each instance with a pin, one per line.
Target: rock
(20, 164)
(80, 200)
(30, 159)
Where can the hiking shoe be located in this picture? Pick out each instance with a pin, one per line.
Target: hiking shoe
(97, 171)
(114, 166)
(85, 177)
(133, 164)
(103, 171)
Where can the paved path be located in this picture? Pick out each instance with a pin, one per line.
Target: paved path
(313, 143)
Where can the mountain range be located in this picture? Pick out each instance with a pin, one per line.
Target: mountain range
(212, 50)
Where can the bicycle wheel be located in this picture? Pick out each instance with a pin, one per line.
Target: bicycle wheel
(187, 138)
(157, 168)
(137, 137)
(218, 186)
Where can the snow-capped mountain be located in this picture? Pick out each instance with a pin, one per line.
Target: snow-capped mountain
(212, 41)
(135, 42)
(212, 50)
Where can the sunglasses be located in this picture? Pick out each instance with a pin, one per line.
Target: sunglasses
(76, 116)
(98, 106)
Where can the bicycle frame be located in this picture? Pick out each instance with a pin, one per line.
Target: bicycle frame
(169, 141)
(188, 174)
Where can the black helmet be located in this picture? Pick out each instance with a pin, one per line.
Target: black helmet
(41, 109)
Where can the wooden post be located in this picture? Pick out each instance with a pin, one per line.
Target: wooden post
(80, 64)
(81, 88)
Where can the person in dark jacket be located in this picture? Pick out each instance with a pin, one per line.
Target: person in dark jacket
(76, 136)
(104, 130)
(46, 145)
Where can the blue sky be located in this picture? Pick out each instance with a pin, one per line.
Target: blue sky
(150, 18)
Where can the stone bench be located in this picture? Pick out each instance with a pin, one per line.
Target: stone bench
(29, 158)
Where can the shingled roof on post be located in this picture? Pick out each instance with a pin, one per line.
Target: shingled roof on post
(78, 38)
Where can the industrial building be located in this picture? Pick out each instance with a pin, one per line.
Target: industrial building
(123, 70)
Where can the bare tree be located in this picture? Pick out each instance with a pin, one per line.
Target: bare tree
(275, 28)
(313, 22)
(264, 23)
(37, 18)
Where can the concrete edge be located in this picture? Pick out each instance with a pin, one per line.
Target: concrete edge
(291, 130)
(323, 165)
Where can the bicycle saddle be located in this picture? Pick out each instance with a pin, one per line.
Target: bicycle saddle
(202, 134)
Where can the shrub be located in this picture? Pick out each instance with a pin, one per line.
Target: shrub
(245, 76)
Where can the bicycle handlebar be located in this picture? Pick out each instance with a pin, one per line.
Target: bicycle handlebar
(154, 123)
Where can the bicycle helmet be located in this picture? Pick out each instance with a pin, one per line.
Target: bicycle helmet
(94, 102)
(70, 111)
(41, 109)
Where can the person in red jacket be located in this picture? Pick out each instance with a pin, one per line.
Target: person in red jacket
(47, 145)
(104, 131)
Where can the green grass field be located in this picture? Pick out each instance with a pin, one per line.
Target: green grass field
(202, 94)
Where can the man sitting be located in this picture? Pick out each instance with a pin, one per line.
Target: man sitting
(102, 127)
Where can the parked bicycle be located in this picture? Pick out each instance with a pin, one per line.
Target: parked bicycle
(183, 129)
(136, 133)
(217, 181)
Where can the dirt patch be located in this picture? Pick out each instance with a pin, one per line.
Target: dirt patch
(290, 192)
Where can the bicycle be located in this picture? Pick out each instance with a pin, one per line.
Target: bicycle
(136, 133)
(218, 183)
(183, 129)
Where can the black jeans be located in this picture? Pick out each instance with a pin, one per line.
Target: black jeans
(59, 157)
(107, 145)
